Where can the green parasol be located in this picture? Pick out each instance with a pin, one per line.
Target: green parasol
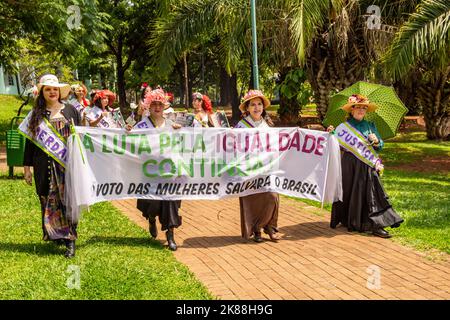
(387, 117)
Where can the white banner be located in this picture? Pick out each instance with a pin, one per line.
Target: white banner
(198, 163)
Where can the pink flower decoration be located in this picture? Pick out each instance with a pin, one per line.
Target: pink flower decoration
(253, 93)
(155, 95)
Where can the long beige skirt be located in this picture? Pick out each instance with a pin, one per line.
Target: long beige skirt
(259, 211)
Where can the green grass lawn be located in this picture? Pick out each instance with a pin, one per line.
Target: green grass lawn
(116, 258)
(421, 198)
(9, 105)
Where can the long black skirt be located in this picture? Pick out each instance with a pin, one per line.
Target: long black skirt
(365, 204)
(166, 210)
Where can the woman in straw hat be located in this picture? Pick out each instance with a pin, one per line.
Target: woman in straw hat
(365, 205)
(258, 211)
(48, 173)
(166, 210)
(80, 92)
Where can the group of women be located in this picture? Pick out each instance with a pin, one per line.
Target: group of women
(365, 205)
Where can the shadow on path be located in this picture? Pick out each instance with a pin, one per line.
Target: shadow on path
(301, 231)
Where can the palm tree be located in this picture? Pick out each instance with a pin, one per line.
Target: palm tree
(335, 42)
(423, 44)
(185, 25)
(323, 36)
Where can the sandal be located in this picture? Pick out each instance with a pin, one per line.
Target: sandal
(272, 234)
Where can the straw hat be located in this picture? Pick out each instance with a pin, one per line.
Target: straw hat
(51, 80)
(358, 99)
(251, 95)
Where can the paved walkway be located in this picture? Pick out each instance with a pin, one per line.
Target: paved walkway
(312, 261)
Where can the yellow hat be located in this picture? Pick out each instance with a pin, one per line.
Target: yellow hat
(358, 99)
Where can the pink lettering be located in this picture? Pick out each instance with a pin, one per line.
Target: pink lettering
(281, 136)
(256, 143)
(319, 147)
(308, 138)
(268, 146)
(295, 142)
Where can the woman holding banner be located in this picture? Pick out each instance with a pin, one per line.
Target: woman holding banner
(50, 117)
(365, 205)
(202, 109)
(101, 107)
(167, 210)
(258, 211)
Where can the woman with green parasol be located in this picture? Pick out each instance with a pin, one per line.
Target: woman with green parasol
(365, 206)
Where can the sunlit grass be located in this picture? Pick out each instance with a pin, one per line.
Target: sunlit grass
(116, 258)
(9, 106)
(421, 198)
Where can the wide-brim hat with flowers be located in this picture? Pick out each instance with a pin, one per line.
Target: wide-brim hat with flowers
(51, 80)
(157, 95)
(358, 99)
(251, 95)
(100, 94)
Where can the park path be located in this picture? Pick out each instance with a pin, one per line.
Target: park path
(312, 261)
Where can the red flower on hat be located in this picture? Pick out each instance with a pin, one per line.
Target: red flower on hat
(357, 98)
(170, 96)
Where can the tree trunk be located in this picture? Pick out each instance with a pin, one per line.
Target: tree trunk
(330, 72)
(121, 87)
(229, 94)
(186, 81)
(407, 92)
(181, 87)
(434, 98)
(224, 88)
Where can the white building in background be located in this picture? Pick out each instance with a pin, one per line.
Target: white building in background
(9, 83)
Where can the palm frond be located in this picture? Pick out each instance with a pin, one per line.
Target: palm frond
(425, 35)
(190, 23)
(308, 17)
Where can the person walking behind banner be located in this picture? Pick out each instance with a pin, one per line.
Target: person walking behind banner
(202, 109)
(142, 107)
(80, 102)
(80, 92)
(166, 210)
(50, 114)
(365, 205)
(97, 115)
(258, 211)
